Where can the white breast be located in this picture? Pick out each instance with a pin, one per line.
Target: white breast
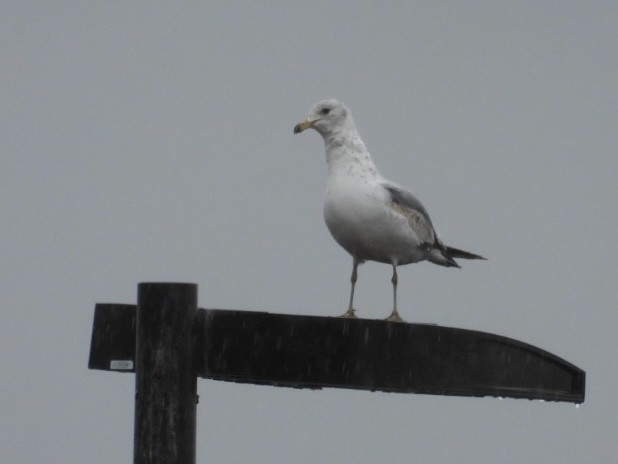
(358, 213)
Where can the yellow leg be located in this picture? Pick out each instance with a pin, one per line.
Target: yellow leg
(351, 312)
(395, 317)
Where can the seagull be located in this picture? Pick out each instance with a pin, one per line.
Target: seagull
(371, 217)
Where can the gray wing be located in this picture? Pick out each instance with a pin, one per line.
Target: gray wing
(418, 217)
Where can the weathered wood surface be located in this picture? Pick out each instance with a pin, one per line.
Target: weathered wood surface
(316, 352)
(165, 380)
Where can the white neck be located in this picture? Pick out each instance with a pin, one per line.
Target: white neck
(346, 153)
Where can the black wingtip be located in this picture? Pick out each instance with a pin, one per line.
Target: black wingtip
(457, 253)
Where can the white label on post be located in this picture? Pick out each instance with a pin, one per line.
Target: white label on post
(121, 365)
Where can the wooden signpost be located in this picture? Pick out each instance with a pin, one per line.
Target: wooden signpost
(168, 342)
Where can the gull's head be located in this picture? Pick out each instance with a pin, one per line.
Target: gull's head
(326, 117)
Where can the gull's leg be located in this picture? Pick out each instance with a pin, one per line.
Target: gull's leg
(394, 315)
(351, 311)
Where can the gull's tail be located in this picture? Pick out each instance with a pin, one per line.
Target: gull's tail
(445, 255)
(456, 253)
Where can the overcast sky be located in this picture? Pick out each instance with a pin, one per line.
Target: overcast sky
(152, 141)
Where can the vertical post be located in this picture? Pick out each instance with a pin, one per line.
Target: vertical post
(165, 378)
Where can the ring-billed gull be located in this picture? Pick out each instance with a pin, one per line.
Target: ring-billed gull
(369, 216)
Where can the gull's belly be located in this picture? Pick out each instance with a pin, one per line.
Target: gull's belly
(360, 218)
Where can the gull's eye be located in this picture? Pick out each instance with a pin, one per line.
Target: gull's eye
(325, 110)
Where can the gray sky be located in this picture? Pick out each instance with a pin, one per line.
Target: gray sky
(152, 141)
